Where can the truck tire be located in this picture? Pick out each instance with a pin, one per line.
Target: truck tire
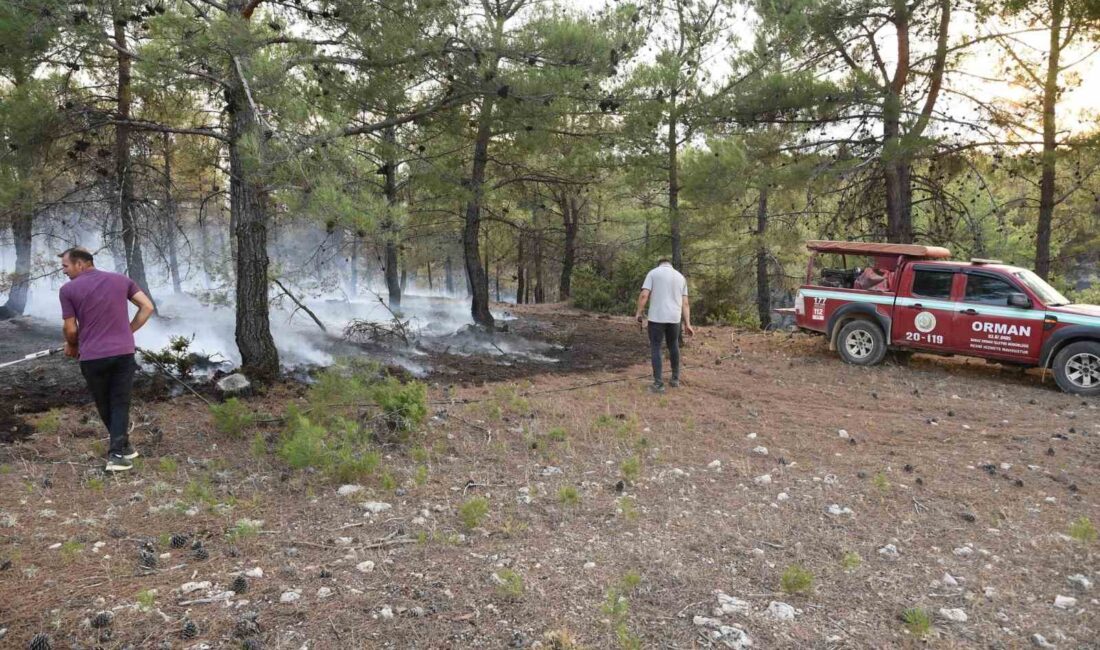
(1077, 368)
(861, 343)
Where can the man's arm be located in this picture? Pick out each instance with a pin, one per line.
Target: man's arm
(145, 310)
(686, 311)
(70, 330)
(643, 298)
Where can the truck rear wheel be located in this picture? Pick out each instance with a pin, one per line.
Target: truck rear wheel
(861, 343)
(1077, 368)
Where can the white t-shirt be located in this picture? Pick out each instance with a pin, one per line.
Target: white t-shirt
(667, 288)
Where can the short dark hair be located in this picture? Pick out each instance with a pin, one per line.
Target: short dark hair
(79, 253)
(663, 260)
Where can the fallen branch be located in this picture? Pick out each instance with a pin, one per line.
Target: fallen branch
(300, 305)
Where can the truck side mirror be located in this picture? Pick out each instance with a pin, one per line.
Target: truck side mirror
(1019, 300)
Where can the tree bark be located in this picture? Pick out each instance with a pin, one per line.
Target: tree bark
(353, 288)
(476, 277)
(897, 170)
(250, 207)
(763, 291)
(22, 225)
(448, 270)
(124, 177)
(1050, 142)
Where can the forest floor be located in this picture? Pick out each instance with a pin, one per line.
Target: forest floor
(614, 517)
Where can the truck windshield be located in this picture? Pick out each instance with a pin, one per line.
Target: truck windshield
(1048, 294)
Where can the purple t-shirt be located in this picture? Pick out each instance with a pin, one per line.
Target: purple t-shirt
(100, 302)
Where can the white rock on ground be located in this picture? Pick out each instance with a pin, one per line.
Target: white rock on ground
(189, 587)
(751, 436)
(1080, 581)
(949, 580)
(1040, 641)
(234, 384)
(324, 592)
(730, 636)
(889, 552)
(375, 507)
(760, 450)
(715, 464)
(551, 470)
(782, 496)
(386, 612)
(842, 434)
(290, 596)
(953, 614)
(1065, 602)
(763, 479)
(365, 567)
(254, 572)
(730, 605)
(349, 489)
(963, 551)
(780, 611)
(836, 510)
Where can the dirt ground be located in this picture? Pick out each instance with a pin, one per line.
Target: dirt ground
(613, 515)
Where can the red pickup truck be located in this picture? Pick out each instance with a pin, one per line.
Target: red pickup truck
(913, 299)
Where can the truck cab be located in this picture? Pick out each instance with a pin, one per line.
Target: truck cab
(913, 298)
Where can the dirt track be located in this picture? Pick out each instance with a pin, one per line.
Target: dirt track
(940, 457)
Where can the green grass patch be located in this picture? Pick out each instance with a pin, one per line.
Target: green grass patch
(70, 549)
(243, 529)
(796, 580)
(167, 465)
(1082, 530)
(146, 598)
(850, 561)
(199, 490)
(918, 621)
(628, 508)
(420, 477)
(49, 423)
(473, 511)
(96, 484)
(509, 584)
(557, 434)
(232, 417)
(631, 469)
(569, 497)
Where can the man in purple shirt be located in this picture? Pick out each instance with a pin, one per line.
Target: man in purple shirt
(99, 331)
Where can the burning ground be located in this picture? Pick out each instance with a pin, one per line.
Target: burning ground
(557, 503)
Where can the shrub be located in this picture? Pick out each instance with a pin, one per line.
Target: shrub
(232, 417)
(304, 444)
(175, 358)
(917, 621)
(49, 423)
(243, 529)
(592, 292)
(404, 406)
(167, 465)
(557, 434)
(473, 511)
(1082, 530)
(850, 561)
(146, 598)
(796, 580)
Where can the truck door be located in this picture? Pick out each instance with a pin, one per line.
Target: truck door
(923, 311)
(987, 326)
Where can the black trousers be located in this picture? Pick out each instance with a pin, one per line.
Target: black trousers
(110, 382)
(669, 333)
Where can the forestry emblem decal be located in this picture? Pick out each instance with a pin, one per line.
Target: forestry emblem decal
(925, 321)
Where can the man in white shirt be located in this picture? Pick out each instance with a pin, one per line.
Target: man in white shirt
(665, 289)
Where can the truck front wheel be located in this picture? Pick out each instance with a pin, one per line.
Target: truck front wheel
(1077, 368)
(861, 343)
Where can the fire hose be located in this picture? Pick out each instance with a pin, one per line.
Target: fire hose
(32, 355)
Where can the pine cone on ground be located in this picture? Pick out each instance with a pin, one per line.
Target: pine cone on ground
(148, 559)
(178, 541)
(239, 585)
(200, 553)
(189, 630)
(252, 644)
(102, 619)
(41, 641)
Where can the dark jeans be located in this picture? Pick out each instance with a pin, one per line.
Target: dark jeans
(670, 333)
(110, 381)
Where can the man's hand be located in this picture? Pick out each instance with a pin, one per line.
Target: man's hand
(642, 320)
(689, 329)
(71, 350)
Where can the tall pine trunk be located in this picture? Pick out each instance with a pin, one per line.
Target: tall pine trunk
(570, 211)
(897, 170)
(249, 203)
(395, 284)
(22, 225)
(171, 219)
(449, 272)
(674, 190)
(477, 278)
(521, 275)
(124, 174)
(1050, 143)
(763, 291)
